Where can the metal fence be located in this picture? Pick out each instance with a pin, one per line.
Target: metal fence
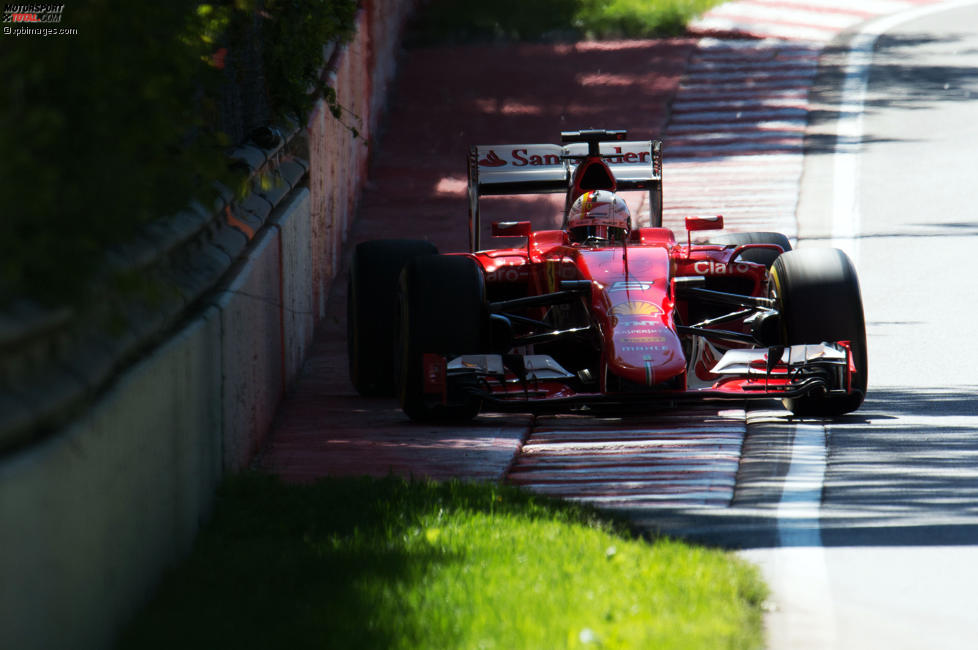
(54, 362)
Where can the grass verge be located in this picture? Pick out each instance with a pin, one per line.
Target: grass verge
(457, 21)
(366, 563)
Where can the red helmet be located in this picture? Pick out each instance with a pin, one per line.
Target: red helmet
(598, 214)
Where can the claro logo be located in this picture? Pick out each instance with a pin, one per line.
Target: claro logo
(709, 267)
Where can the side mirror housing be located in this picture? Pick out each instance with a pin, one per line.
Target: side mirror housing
(704, 223)
(511, 229)
(700, 223)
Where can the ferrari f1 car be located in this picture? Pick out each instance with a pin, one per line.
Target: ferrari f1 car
(602, 312)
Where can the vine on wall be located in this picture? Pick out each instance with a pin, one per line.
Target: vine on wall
(120, 124)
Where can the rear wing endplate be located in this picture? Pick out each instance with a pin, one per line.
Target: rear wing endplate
(506, 169)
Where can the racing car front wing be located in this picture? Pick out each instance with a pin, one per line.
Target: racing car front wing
(537, 383)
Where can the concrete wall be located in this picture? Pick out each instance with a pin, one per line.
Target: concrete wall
(251, 346)
(90, 518)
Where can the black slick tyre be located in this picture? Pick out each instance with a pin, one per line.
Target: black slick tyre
(371, 308)
(817, 293)
(765, 256)
(442, 310)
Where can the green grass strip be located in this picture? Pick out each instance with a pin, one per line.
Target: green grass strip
(366, 563)
(457, 21)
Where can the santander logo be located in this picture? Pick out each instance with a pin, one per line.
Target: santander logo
(492, 160)
(544, 155)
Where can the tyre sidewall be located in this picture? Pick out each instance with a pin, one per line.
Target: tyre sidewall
(442, 310)
(371, 307)
(819, 300)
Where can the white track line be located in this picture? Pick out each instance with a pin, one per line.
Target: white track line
(846, 218)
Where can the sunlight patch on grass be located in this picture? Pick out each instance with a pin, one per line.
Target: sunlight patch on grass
(366, 563)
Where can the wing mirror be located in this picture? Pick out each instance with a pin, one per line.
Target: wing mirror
(704, 223)
(511, 229)
(700, 223)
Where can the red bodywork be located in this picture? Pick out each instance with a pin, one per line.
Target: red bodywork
(633, 303)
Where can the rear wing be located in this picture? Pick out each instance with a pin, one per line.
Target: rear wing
(496, 170)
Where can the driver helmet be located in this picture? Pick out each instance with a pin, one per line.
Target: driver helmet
(598, 214)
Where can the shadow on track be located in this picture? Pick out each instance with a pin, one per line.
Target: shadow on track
(899, 80)
(901, 471)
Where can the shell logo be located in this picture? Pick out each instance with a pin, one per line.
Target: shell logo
(587, 201)
(636, 308)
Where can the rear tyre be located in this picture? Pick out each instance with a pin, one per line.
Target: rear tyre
(442, 310)
(371, 308)
(765, 256)
(817, 293)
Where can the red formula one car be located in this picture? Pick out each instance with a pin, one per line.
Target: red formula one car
(601, 312)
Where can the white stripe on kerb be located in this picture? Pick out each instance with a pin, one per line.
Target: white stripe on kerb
(784, 14)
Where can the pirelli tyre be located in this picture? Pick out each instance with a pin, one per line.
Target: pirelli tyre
(442, 310)
(370, 310)
(765, 256)
(818, 297)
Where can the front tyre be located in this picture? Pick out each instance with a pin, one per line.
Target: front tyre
(442, 310)
(371, 308)
(817, 293)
